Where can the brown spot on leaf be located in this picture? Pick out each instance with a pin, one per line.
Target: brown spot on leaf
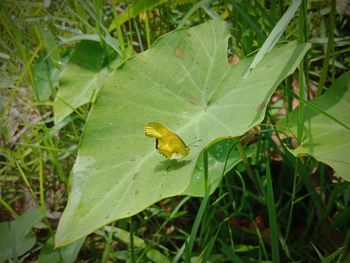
(136, 192)
(178, 52)
(136, 176)
(233, 60)
(192, 100)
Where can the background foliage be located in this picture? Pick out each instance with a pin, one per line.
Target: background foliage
(271, 205)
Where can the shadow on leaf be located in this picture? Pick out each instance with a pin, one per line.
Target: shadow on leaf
(171, 165)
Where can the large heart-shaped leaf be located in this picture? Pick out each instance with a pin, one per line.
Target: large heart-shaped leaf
(185, 82)
(325, 139)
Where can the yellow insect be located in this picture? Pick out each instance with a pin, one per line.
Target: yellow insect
(168, 142)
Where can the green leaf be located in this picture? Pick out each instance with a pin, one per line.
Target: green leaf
(51, 45)
(64, 254)
(326, 121)
(15, 236)
(185, 82)
(222, 157)
(81, 79)
(45, 76)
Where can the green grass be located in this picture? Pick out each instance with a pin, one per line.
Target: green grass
(270, 207)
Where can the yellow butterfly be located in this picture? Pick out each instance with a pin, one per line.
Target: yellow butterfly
(168, 143)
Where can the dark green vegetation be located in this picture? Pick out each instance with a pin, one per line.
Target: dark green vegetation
(66, 70)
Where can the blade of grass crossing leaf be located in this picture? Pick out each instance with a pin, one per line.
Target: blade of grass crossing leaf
(274, 36)
(200, 213)
(316, 108)
(288, 86)
(302, 95)
(272, 215)
(329, 50)
(302, 81)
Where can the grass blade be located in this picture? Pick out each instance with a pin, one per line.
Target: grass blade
(274, 36)
(272, 215)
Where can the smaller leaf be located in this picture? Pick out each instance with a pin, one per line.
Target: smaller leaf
(325, 139)
(51, 46)
(82, 78)
(65, 254)
(15, 239)
(46, 77)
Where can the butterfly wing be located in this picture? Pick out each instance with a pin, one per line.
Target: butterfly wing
(167, 142)
(156, 130)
